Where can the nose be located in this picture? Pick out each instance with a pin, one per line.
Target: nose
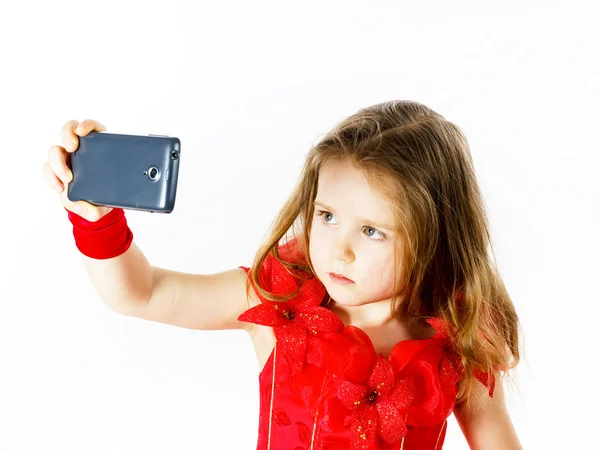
(341, 250)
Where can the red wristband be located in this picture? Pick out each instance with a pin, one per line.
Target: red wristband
(106, 238)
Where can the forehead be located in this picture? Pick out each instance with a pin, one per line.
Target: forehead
(345, 187)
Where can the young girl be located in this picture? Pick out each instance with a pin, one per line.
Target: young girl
(373, 306)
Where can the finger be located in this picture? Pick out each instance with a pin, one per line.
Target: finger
(88, 126)
(69, 138)
(51, 178)
(90, 212)
(65, 199)
(57, 159)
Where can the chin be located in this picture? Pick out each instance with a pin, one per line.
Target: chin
(344, 295)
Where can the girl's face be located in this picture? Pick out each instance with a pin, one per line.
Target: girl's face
(352, 235)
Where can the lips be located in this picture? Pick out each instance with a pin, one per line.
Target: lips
(340, 278)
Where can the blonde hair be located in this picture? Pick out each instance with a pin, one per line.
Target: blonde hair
(422, 164)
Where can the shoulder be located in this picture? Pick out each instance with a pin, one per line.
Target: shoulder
(276, 274)
(280, 272)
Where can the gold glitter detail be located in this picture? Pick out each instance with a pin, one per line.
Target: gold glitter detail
(371, 398)
(402, 441)
(272, 396)
(438, 438)
(312, 439)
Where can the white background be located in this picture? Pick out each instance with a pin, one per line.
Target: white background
(248, 87)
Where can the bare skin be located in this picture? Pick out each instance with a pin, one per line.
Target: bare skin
(129, 285)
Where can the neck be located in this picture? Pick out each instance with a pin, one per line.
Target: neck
(374, 314)
(376, 318)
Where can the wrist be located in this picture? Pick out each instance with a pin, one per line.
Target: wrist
(106, 238)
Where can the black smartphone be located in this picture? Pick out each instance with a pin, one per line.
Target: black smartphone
(126, 171)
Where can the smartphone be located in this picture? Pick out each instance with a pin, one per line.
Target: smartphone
(126, 171)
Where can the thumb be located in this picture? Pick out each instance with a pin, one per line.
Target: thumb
(91, 213)
(80, 209)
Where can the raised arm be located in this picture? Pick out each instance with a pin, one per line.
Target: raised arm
(129, 285)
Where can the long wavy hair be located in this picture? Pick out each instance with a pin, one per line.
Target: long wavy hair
(422, 164)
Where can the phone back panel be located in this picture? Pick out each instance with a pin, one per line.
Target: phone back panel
(126, 171)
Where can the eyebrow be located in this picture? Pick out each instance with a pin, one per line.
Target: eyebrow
(383, 226)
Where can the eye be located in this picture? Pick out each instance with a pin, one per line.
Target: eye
(374, 233)
(327, 216)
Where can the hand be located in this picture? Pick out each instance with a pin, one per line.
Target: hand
(58, 174)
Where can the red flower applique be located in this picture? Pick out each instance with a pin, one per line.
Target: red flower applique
(379, 407)
(452, 368)
(294, 319)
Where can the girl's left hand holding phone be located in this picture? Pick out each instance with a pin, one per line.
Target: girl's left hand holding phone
(58, 174)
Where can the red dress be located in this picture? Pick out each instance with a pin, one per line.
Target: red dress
(324, 387)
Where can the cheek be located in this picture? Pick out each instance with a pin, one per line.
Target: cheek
(317, 248)
(379, 274)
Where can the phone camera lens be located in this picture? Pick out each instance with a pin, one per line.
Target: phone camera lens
(174, 155)
(153, 173)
